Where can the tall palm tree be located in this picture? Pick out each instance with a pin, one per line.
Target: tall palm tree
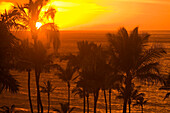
(47, 88)
(24, 63)
(35, 58)
(93, 67)
(82, 89)
(130, 55)
(66, 75)
(28, 15)
(113, 82)
(8, 50)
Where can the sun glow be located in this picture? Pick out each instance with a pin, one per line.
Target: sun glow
(68, 13)
(74, 12)
(38, 25)
(5, 6)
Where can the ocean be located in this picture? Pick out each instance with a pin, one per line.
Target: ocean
(69, 41)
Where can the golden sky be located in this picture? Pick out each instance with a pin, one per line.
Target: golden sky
(108, 14)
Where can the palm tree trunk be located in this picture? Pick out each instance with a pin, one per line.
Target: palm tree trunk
(105, 100)
(88, 103)
(68, 84)
(84, 100)
(142, 108)
(129, 105)
(48, 102)
(96, 94)
(128, 82)
(38, 103)
(110, 100)
(124, 105)
(29, 91)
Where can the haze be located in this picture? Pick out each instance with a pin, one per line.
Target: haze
(107, 14)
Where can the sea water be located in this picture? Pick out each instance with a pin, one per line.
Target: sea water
(69, 39)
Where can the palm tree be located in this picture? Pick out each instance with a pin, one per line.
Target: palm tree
(113, 82)
(134, 95)
(83, 91)
(140, 101)
(24, 63)
(130, 55)
(64, 108)
(47, 88)
(66, 75)
(92, 65)
(8, 50)
(28, 15)
(35, 58)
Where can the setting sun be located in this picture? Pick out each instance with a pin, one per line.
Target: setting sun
(104, 14)
(38, 25)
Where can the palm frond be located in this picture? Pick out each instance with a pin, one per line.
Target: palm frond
(166, 96)
(71, 109)
(8, 82)
(148, 67)
(150, 78)
(57, 110)
(150, 55)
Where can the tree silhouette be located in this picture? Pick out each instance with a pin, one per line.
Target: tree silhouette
(134, 95)
(113, 82)
(66, 75)
(140, 101)
(47, 88)
(35, 58)
(24, 63)
(92, 65)
(8, 50)
(130, 55)
(27, 16)
(82, 89)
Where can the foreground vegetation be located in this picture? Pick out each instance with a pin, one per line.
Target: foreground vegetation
(93, 69)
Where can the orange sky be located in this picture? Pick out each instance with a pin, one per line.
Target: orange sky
(109, 14)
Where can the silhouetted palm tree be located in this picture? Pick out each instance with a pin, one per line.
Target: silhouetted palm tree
(140, 101)
(134, 95)
(28, 15)
(113, 82)
(35, 58)
(91, 60)
(130, 55)
(82, 89)
(66, 75)
(64, 108)
(8, 50)
(24, 63)
(47, 88)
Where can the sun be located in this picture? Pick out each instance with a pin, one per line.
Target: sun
(38, 25)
